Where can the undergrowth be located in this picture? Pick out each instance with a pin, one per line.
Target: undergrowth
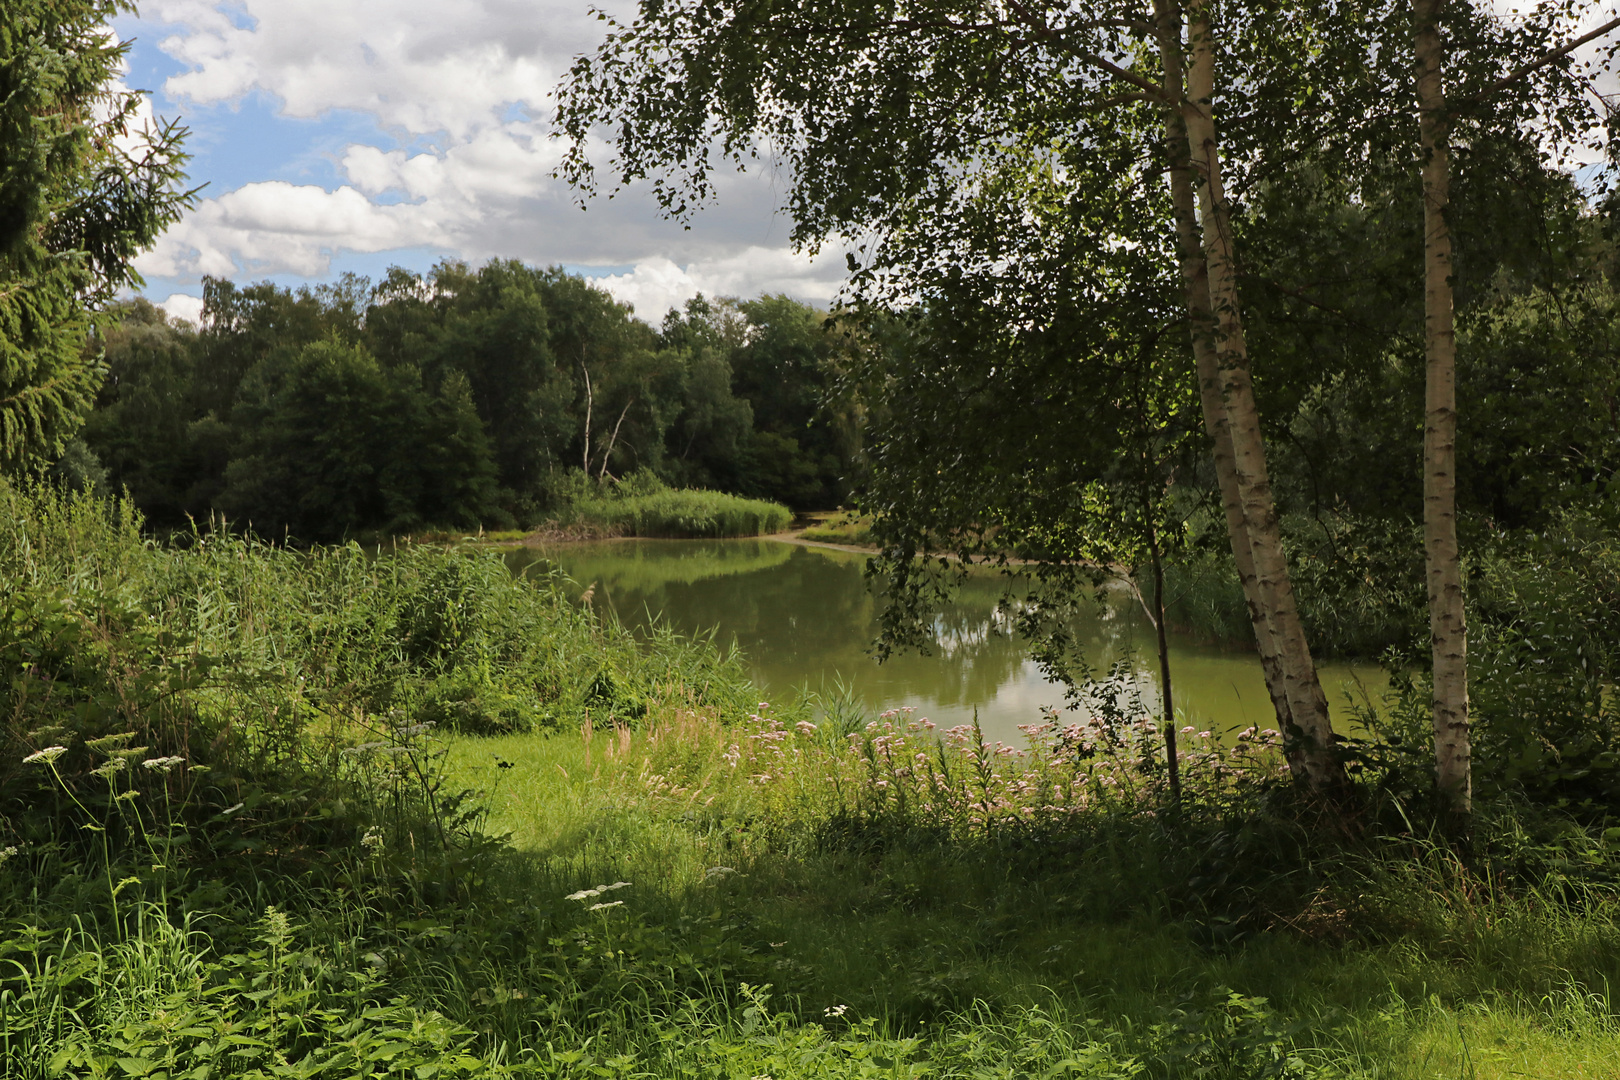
(335, 813)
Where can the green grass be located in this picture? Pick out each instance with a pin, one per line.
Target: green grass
(984, 946)
(674, 514)
(249, 858)
(841, 528)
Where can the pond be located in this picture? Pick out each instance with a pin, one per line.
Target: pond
(804, 618)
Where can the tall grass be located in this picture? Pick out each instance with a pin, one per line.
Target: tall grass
(679, 515)
(238, 850)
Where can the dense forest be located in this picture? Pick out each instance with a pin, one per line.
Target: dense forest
(470, 397)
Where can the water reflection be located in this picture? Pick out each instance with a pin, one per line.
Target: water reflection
(804, 616)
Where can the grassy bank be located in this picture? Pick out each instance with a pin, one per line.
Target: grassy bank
(642, 505)
(234, 844)
(845, 527)
(1107, 945)
(678, 514)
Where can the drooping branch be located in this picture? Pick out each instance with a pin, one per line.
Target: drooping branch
(1540, 62)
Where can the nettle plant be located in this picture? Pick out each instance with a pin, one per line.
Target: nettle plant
(902, 767)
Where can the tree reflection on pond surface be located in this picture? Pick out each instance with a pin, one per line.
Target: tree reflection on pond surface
(804, 616)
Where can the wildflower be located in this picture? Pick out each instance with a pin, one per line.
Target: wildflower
(928, 724)
(231, 810)
(836, 1010)
(805, 727)
(606, 906)
(589, 894)
(6, 854)
(373, 840)
(277, 927)
(1188, 730)
(164, 763)
(109, 767)
(45, 756)
(717, 872)
(1205, 735)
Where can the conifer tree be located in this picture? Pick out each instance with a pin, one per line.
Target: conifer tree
(83, 190)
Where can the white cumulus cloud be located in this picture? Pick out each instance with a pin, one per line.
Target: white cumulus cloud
(182, 306)
(463, 160)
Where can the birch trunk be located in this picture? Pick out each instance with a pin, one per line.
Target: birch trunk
(1310, 732)
(1195, 278)
(1448, 629)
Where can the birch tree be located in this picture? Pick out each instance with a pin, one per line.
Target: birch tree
(880, 109)
(1448, 627)
(895, 123)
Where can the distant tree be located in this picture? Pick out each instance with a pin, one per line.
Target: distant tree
(332, 442)
(141, 426)
(81, 194)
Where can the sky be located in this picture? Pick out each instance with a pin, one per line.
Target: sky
(353, 135)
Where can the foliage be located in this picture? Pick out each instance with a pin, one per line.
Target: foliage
(649, 509)
(474, 397)
(82, 192)
(847, 527)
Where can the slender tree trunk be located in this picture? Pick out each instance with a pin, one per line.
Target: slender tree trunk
(1172, 760)
(1448, 629)
(590, 402)
(1230, 414)
(1195, 278)
(614, 439)
(1311, 729)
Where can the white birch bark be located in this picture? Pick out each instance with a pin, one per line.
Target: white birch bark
(1310, 730)
(1448, 629)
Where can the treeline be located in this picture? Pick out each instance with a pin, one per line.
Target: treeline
(468, 397)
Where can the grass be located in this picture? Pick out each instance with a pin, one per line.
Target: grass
(982, 946)
(845, 527)
(231, 846)
(691, 514)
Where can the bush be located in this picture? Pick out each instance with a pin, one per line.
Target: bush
(1358, 583)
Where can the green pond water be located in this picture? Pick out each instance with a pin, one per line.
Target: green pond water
(804, 617)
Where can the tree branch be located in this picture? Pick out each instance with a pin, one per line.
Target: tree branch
(1540, 62)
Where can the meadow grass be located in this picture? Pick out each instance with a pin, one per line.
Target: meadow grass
(949, 941)
(845, 527)
(233, 844)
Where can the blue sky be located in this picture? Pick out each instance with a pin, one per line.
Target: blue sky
(352, 135)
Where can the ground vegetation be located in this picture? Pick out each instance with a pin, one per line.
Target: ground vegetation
(278, 813)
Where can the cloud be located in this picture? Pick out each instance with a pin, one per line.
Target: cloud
(419, 66)
(275, 227)
(463, 159)
(182, 306)
(655, 286)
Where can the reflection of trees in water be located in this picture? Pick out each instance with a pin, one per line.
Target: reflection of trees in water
(800, 614)
(646, 565)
